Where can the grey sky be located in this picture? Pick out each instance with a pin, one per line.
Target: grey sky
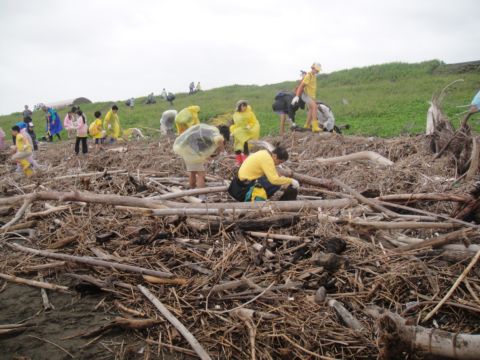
(108, 50)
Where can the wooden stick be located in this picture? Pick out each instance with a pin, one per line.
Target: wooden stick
(362, 155)
(370, 202)
(346, 316)
(455, 285)
(191, 192)
(46, 212)
(275, 236)
(474, 159)
(92, 261)
(18, 215)
(424, 197)
(437, 241)
(404, 224)
(440, 216)
(21, 226)
(305, 179)
(176, 323)
(39, 284)
(46, 303)
(435, 342)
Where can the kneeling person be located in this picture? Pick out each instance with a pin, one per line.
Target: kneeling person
(258, 180)
(195, 145)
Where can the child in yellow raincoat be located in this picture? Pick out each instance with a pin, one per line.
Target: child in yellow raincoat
(96, 130)
(186, 118)
(245, 127)
(111, 124)
(24, 151)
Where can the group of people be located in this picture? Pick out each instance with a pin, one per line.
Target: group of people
(257, 178)
(192, 89)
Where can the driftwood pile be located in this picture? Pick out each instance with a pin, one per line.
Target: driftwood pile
(374, 259)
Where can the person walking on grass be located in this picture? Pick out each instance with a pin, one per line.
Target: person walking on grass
(258, 179)
(82, 133)
(307, 91)
(245, 128)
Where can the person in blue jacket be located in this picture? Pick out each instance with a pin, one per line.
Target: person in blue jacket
(54, 124)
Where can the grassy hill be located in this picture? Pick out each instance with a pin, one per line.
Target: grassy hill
(381, 100)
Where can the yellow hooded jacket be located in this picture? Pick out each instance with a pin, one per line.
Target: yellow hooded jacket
(245, 127)
(186, 118)
(113, 120)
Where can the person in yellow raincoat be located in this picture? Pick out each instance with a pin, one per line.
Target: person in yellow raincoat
(307, 91)
(195, 146)
(111, 124)
(186, 118)
(245, 127)
(96, 131)
(23, 151)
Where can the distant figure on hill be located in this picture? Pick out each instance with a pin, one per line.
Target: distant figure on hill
(283, 106)
(474, 107)
(198, 87)
(163, 95)
(170, 98)
(130, 103)
(27, 115)
(150, 99)
(191, 88)
(167, 122)
(54, 125)
(307, 90)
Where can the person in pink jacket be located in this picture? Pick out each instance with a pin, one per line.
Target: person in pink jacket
(69, 123)
(82, 133)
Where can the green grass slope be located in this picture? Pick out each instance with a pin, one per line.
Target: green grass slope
(381, 100)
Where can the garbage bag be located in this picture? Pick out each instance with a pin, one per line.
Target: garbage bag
(197, 143)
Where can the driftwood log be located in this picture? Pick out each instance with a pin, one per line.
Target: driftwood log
(393, 333)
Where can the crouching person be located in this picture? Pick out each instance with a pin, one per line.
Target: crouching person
(258, 180)
(23, 151)
(195, 145)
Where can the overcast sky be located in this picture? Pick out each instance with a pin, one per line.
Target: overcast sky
(53, 50)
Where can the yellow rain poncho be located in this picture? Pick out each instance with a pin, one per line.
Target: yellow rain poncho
(186, 118)
(24, 147)
(96, 129)
(197, 143)
(245, 127)
(112, 124)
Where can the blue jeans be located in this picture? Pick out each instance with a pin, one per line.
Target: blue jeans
(270, 189)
